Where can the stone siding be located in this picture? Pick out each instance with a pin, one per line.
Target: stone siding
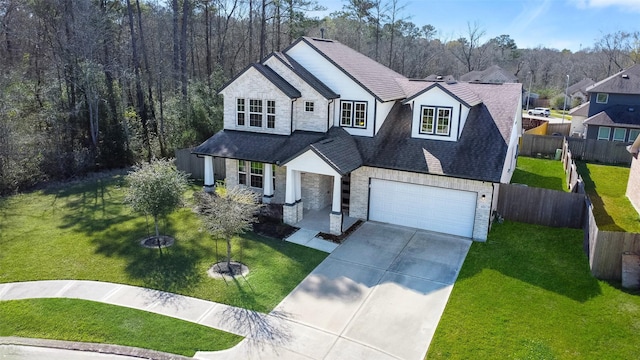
(359, 197)
(253, 85)
(316, 191)
(633, 185)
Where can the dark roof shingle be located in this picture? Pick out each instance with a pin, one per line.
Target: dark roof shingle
(619, 116)
(625, 82)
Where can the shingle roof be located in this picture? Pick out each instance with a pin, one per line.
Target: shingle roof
(267, 148)
(277, 80)
(371, 75)
(581, 86)
(580, 110)
(461, 91)
(478, 154)
(619, 116)
(306, 76)
(624, 82)
(492, 74)
(339, 150)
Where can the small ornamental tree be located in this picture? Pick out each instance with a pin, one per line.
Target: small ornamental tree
(227, 213)
(156, 189)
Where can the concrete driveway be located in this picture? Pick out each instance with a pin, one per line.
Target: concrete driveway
(379, 295)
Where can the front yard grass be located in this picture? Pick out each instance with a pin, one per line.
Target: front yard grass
(606, 186)
(527, 293)
(87, 321)
(542, 173)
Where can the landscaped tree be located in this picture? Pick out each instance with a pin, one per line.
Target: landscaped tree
(227, 213)
(156, 189)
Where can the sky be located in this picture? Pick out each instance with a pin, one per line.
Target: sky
(558, 24)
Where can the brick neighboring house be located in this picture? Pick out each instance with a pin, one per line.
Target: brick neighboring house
(321, 126)
(613, 110)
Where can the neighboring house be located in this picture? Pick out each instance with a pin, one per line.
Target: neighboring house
(633, 184)
(321, 126)
(614, 107)
(578, 91)
(491, 75)
(578, 115)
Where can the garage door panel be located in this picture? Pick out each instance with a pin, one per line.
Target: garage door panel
(425, 207)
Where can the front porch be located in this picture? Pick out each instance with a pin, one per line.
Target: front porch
(318, 220)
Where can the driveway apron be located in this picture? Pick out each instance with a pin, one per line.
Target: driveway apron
(379, 295)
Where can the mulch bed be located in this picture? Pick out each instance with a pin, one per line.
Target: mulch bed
(151, 242)
(339, 238)
(270, 223)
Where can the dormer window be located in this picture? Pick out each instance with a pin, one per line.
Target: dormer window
(255, 113)
(353, 114)
(308, 106)
(240, 112)
(435, 120)
(602, 98)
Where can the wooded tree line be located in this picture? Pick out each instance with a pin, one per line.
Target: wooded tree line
(91, 84)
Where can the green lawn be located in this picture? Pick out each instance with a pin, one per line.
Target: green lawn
(85, 232)
(606, 186)
(87, 321)
(543, 173)
(527, 293)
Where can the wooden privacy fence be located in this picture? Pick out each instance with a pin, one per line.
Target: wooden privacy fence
(609, 152)
(604, 248)
(540, 206)
(194, 165)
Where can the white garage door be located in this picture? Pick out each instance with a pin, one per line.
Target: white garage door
(424, 207)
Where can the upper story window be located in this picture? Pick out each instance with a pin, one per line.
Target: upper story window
(308, 106)
(435, 120)
(602, 98)
(271, 114)
(240, 112)
(353, 114)
(255, 113)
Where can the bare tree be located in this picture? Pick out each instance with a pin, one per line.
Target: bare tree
(468, 49)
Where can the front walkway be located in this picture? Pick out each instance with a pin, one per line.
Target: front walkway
(379, 295)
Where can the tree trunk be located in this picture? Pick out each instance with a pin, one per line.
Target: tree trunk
(183, 48)
(155, 220)
(229, 255)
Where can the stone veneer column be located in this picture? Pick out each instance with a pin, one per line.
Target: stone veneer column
(298, 188)
(290, 207)
(209, 180)
(335, 218)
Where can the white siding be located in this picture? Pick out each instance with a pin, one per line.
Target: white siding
(317, 120)
(512, 151)
(436, 97)
(252, 85)
(336, 80)
(382, 111)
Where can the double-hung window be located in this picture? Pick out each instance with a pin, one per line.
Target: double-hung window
(250, 173)
(633, 134)
(435, 120)
(255, 113)
(240, 112)
(271, 114)
(353, 114)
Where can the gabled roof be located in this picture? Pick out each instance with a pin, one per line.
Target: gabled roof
(580, 86)
(305, 75)
(618, 116)
(277, 80)
(580, 110)
(492, 74)
(374, 77)
(625, 82)
(460, 91)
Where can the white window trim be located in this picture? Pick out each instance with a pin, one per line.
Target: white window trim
(243, 112)
(309, 105)
(606, 98)
(632, 131)
(352, 116)
(434, 129)
(608, 133)
(271, 115)
(624, 134)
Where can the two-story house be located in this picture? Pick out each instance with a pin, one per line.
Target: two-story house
(613, 110)
(321, 126)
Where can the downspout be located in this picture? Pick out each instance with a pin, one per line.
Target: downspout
(291, 126)
(375, 115)
(329, 114)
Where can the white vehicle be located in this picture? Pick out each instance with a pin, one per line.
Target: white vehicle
(540, 111)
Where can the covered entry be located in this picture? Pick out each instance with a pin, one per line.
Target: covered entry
(425, 207)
